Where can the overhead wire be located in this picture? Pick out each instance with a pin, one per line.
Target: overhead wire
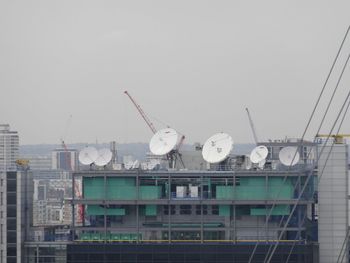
(319, 128)
(269, 258)
(306, 128)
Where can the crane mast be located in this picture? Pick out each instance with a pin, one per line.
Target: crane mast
(142, 113)
(174, 155)
(252, 126)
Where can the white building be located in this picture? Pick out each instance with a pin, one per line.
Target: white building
(9, 148)
(333, 202)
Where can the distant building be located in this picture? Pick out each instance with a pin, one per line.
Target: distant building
(49, 206)
(15, 219)
(65, 159)
(39, 163)
(8, 148)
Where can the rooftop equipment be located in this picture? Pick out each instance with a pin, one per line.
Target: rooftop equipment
(163, 141)
(289, 156)
(258, 156)
(88, 155)
(217, 148)
(104, 157)
(157, 146)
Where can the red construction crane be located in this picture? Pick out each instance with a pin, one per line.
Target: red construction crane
(143, 114)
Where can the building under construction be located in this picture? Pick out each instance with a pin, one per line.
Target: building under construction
(235, 212)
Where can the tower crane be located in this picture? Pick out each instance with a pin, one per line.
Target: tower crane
(252, 126)
(142, 113)
(174, 154)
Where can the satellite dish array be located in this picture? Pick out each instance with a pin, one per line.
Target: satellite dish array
(219, 146)
(215, 150)
(90, 155)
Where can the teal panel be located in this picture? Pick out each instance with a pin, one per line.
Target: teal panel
(93, 188)
(95, 236)
(115, 237)
(125, 237)
(121, 188)
(85, 236)
(150, 192)
(224, 192)
(252, 188)
(224, 210)
(151, 210)
(96, 210)
(121, 192)
(279, 190)
(278, 210)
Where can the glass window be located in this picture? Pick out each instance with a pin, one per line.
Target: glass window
(11, 211)
(11, 185)
(185, 209)
(11, 237)
(214, 209)
(11, 175)
(11, 199)
(11, 251)
(11, 224)
(198, 209)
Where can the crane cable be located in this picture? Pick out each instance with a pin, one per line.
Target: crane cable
(308, 124)
(319, 178)
(319, 128)
(309, 176)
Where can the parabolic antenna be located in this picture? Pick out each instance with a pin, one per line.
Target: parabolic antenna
(88, 155)
(104, 157)
(163, 141)
(289, 156)
(217, 148)
(259, 154)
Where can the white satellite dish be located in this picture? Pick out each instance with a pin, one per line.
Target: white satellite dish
(163, 141)
(259, 154)
(88, 155)
(217, 148)
(289, 156)
(104, 157)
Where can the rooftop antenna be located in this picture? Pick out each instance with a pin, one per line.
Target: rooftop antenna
(173, 155)
(165, 142)
(259, 154)
(104, 157)
(252, 126)
(88, 155)
(289, 156)
(217, 148)
(113, 146)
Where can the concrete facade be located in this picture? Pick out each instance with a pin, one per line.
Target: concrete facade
(333, 203)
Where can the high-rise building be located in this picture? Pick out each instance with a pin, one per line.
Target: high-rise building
(65, 159)
(333, 199)
(9, 148)
(15, 213)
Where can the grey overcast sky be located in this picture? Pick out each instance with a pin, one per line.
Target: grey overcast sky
(194, 65)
